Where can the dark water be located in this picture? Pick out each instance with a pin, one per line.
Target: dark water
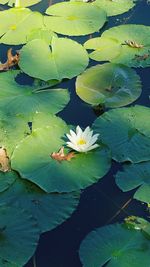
(101, 203)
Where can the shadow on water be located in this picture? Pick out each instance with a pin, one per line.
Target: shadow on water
(101, 203)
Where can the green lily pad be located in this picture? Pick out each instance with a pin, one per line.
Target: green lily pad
(130, 45)
(49, 210)
(126, 131)
(41, 33)
(115, 246)
(64, 59)
(74, 18)
(135, 175)
(105, 49)
(5, 263)
(19, 235)
(113, 7)
(23, 3)
(109, 84)
(17, 23)
(52, 175)
(25, 100)
(12, 130)
(6, 180)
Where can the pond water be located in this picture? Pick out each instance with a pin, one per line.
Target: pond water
(103, 202)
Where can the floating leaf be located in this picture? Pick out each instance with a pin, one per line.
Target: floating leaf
(112, 7)
(115, 246)
(64, 59)
(105, 49)
(17, 23)
(126, 131)
(74, 18)
(12, 130)
(5, 263)
(25, 100)
(32, 159)
(109, 84)
(19, 235)
(49, 210)
(6, 179)
(23, 3)
(42, 34)
(135, 175)
(125, 44)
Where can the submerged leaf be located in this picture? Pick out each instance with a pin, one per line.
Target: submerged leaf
(126, 132)
(125, 44)
(52, 175)
(111, 85)
(65, 58)
(74, 18)
(133, 176)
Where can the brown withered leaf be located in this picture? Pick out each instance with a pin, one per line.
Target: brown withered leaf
(11, 60)
(60, 156)
(4, 160)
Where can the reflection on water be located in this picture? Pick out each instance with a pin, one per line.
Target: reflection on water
(103, 202)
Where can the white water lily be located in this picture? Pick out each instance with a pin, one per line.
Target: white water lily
(82, 141)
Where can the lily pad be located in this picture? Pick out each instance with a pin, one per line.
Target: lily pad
(133, 176)
(23, 3)
(17, 23)
(105, 49)
(49, 210)
(64, 59)
(109, 84)
(6, 180)
(25, 100)
(131, 43)
(50, 174)
(5, 263)
(41, 33)
(115, 246)
(19, 235)
(113, 7)
(12, 130)
(126, 131)
(74, 18)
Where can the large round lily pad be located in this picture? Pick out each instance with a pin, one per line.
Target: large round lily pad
(23, 3)
(115, 246)
(49, 210)
(113, 7)
(74, 18)
(53, 175)
(19, 235)
(135, 175)
(125, 44)
(64, 59)
(109, 84)
(17, 23)
(25, 100)
(5, 263)
(126, 131)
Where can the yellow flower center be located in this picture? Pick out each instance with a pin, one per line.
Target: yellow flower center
(81, 142)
